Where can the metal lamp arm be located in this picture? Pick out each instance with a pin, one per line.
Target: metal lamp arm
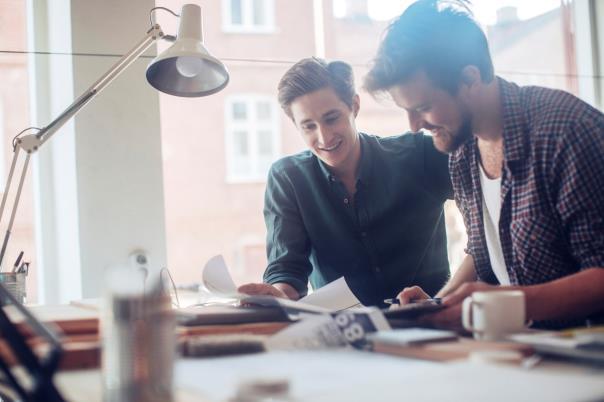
(153, 34)
(32, 142)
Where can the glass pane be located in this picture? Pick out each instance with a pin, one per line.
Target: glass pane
(524, 59)
(259, 12)
(263, 110)
(239, 111)
(241, 143)
(265, 143)
(264, 164)
(236, 12)
(241, 167)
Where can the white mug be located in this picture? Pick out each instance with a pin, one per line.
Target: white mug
(494, 314)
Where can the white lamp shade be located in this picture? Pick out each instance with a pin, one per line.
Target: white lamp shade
(186, 68)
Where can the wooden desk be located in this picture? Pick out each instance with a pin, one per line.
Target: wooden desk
(357, 374)
(79, 325)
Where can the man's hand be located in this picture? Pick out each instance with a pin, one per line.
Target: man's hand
(411, 294)
(282, 290)
(465, 274)
(450, 317)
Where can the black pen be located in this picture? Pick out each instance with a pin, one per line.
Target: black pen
(24, 268)
(436, 300)
(17, 262)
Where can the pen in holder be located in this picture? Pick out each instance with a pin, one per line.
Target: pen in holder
(14, 282)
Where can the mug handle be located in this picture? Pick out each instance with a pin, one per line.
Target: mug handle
(466, 314)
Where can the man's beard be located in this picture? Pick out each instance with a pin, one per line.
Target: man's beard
(463, 135)
(457, 139)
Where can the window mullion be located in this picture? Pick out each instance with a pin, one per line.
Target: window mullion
(254, 138)
(247, 13)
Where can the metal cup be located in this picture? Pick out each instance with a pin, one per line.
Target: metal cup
(138, 347)
(14, 282)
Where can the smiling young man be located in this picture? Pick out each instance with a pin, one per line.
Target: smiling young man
(526, 164)
(366, 208)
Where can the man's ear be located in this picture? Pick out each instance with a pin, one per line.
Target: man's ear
(469, 85)
(356, 104)
(470, 76)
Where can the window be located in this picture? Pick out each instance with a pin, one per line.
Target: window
(252, 137)
(248, 16)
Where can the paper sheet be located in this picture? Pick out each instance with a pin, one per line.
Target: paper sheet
(348, 375)
(337, 329)
(318, 332)
(218, 282)
(216, 277)
(335, 295)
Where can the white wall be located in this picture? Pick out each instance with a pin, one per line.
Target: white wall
(99, 185)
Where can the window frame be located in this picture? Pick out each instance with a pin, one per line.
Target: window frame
(252, 126)
(247, 16)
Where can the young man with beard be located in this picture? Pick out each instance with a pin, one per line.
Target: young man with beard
(367, 208)
(526, 163)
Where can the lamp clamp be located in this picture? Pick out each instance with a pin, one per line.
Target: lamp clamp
(29, 143)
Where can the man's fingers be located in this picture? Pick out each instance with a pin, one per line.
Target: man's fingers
(260, 289)
(255, 289)
(411, 294)
(248, 288)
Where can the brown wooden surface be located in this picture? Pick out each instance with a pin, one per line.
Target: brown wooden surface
(83, 351)
(77, 353)
(81, 354)
(79, 328)
(67, 319)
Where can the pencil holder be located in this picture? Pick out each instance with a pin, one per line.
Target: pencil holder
(14, 282)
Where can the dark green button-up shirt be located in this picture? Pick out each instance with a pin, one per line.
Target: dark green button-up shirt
(389, 235)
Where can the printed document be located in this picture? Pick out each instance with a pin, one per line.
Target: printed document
(333, 297)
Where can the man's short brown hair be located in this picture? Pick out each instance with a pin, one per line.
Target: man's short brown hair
(311, 74)
(439, 37)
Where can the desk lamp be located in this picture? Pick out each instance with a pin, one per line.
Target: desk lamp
(185, 69)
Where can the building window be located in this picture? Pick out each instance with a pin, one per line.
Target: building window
(252, 137)
(255, 16)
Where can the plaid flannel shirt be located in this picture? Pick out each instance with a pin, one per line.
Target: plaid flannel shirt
(552, 188)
